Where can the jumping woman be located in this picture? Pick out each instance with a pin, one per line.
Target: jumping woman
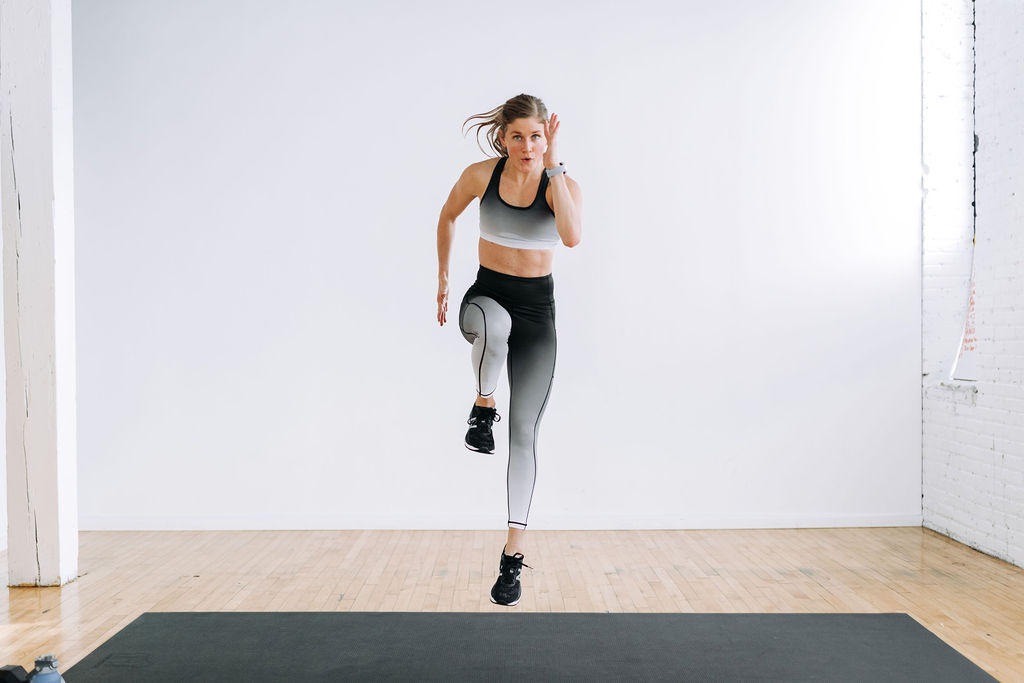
(528, 205)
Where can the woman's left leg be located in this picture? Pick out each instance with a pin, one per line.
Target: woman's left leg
(531, 370)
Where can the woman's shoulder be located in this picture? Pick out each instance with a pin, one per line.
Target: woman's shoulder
(479, 174)
(485, 166)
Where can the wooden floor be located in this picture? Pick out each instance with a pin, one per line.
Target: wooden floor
(970, 600)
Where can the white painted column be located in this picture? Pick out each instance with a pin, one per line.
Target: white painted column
(36, 167)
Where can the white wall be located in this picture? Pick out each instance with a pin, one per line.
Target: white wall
(258, 187)
(973, 429)
(4, 517)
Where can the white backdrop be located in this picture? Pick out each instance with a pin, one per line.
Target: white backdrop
(258, 188)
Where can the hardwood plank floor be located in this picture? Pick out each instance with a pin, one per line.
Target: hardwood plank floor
(970, 600)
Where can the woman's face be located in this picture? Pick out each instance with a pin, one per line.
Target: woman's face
(524, 139)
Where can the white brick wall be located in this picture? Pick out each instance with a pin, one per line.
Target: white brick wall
(973, 431)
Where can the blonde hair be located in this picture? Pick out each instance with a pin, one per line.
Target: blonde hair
(519, 107)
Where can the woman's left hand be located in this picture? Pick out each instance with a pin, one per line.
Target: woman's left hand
(551, 153)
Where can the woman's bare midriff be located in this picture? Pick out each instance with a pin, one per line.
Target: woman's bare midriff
(511, 261)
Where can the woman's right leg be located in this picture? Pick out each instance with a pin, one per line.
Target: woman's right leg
(486, 325)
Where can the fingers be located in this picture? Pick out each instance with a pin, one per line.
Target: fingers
(442, 309)
(551, 126)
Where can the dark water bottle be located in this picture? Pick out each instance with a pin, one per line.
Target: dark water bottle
(46, 670)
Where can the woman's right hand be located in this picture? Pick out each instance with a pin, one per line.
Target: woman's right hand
(442, 302)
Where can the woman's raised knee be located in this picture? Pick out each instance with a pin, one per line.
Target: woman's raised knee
(488, 319)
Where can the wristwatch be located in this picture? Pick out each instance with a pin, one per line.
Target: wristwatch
(556, 170)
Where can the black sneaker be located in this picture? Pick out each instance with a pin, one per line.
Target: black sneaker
(506, 590)
(479, 437)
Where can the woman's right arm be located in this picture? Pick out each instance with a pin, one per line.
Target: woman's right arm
(458, 199)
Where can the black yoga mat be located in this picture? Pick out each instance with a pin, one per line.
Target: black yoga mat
(517, 646)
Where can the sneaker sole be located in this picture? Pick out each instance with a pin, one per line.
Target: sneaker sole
(477, 450)
(505, 604)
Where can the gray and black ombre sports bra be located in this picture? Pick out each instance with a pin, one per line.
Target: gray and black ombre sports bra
(521, 227)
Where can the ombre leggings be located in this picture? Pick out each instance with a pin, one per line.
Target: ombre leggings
(511, 320)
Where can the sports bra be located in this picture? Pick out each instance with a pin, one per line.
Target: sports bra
(521, 227)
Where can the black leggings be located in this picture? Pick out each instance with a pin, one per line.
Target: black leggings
(511, 319)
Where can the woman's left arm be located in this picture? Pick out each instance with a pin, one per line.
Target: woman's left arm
(566, 197)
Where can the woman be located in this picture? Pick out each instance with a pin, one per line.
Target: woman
(528, 205)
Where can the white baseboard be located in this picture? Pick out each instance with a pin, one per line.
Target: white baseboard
(549, 522)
